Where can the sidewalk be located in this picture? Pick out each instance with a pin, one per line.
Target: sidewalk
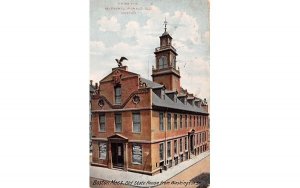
(148, 181)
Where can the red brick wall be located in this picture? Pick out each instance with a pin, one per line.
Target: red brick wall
(146, 158)
(149, 121)
(170, 81)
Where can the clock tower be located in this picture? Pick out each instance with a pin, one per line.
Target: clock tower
(165, 72)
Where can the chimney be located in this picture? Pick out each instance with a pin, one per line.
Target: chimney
(96, 85)
(204, 105)
(197, 102)
(91, 82)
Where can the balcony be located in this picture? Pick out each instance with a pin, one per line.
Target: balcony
(165, 70)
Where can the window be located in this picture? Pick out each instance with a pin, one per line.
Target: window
(175, 147)
(169, 121)
(194, 121)
(162, 63)
(169, 149)
(102, 150)
(136, 119)
(174, 62)
(197, 122)
(200, 120)
(118, 95)
(180, 119)
(118, 122)
(180, 144)
(137, 154)
(185, 143)
(165, 61)
(200, 138)
(161, 151)
(102, 122)
(190, 121)
(161, 121)
(207, 135)
(186, 121)
(175, 121)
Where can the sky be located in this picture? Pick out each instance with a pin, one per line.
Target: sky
(131, 28)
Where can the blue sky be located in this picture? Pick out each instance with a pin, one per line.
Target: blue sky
(135, 35)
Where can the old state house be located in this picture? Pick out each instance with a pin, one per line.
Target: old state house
(147, 126)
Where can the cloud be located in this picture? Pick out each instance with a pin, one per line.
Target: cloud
(97, 47)
(108, 24)
(195, 77)
(154, 11)
(206, 37)
(139, 39)
(187, 28)
(132, 29)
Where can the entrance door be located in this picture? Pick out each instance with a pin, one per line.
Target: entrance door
(192, 144)
(117, 154)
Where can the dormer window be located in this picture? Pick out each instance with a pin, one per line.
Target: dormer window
(172, 95)
(182, 98)
(163, 94)
(118, 95)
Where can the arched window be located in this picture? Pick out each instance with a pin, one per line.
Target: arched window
(162, 63)
(174, 63)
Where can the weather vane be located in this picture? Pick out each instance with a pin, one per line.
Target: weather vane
(119, 61)
(165, 22)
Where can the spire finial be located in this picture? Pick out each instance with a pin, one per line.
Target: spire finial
(165, 22)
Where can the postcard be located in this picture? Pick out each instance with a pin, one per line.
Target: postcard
(149, 93)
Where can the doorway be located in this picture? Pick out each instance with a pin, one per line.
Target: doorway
(117, 151)
(192, 144)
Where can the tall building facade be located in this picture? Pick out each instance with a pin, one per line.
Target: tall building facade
(147, 126)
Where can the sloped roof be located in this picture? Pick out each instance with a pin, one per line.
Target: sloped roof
(151, 84)
(120, 70)
(165, 34)
(168, 103)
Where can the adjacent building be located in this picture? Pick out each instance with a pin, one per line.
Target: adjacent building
(147, 126)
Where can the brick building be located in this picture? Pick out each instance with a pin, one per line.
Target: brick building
(93, 89)
(147, 126)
